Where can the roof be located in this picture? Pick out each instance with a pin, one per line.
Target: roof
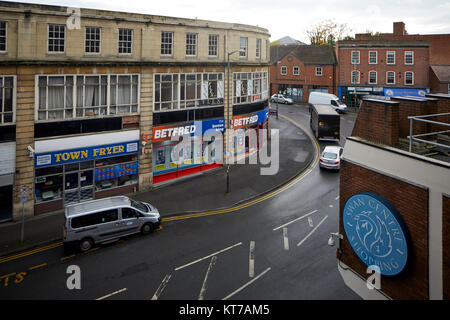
(441, 72)
(95, 205)
(289, 41)
(382, 44)
(325, 109)
(307, 54)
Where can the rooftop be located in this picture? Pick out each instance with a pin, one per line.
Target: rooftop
(307, 54)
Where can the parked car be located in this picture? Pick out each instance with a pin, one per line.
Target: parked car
(106, 220)
(331, 158)
(281, 99)
(328, 99)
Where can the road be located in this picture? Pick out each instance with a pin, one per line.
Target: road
(273, 249)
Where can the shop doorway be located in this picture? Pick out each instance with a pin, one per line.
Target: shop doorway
(6, 207)
(78, 182)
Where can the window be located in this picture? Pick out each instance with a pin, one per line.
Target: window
(355, 57)
(94, 218)
(191, 44)
(7, 99)
(92, 40)
(372, 77)
(373, 57)
(243, 45)
(116, 172)
(390, 77)
(3, 28)
(56, 38)
(449, 88)
(213, 44)
(390, 57)
(409, 57)
(355, 77)
(249, 87)
(128, 213)
(283, 70)
(74, 96)
(166, 43)
(125, 41)
(258, 48)
(296, 70)
(319, 71)
(409, 78)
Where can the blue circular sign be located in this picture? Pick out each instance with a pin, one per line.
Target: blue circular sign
(376, 233)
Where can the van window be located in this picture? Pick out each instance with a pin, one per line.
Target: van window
(128, 213)
(334, 103)
(94, 218)
(138, 205)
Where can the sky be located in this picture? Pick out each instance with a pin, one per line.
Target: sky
(291, 17)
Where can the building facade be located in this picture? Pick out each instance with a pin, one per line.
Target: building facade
(94, 103)
(387, 68)
(298, 70)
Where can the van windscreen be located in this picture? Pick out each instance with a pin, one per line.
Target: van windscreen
(138, 205)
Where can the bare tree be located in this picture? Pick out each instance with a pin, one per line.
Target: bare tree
(327, 32)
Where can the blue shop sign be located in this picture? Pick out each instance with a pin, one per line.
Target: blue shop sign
(83, 154)
(401, 92)
(376, 233)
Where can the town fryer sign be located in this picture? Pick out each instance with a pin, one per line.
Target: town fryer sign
(376, 233)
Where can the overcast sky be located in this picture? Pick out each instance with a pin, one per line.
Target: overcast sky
(291, 17)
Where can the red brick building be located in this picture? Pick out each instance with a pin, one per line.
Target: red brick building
(298, 70)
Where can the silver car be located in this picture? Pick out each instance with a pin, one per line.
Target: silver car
(106, 220)
(331, 158)
(281, 99)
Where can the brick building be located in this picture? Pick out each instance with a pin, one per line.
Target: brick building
(298, 70)
(92, 99)
(394, 203)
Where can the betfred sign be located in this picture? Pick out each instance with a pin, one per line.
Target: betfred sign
(248, 120)
(168, 133)
(196, 128)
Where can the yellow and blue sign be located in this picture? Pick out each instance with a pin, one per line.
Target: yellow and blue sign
(376, 232)
(84, 154)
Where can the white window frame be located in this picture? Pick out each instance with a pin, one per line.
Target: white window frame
(355, 60)
(167, 45)
(6, 37)
(376, 77)
(359, 77)
(412, 78)
(294, 72)
(243, 50)
(412, 58)
(285, 70)
(258, 49)
(125, 41)
(99, 41)
(376, 57)
(448, 88)
(319, 71)
(191, 44)
(14, 98)
(48, 38)
(213, 45)
(387, 57)
(257, 87)
(387, 82)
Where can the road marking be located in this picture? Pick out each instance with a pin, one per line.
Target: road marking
(92, 250)
(201, 295)
(68, 257)
(312, 231)
(247, 284)
(208, 256)
(331, 206)
(161, 287)
(111, 294)
(251, 260)
(27, 253)
(337, 198)
(302, 217)
(38, 266)
(310, 222)
(285, 239)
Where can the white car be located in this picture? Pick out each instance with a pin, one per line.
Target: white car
(281, 99)
(331, 158)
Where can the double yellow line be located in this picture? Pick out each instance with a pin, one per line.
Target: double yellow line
(213, 212)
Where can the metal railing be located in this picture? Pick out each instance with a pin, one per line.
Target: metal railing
(417, 137)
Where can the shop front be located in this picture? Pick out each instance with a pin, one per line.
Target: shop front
(250, 132)
(95, 166)
(186, 148)
(7, 169)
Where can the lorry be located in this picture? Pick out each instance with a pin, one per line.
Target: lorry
(324, 122)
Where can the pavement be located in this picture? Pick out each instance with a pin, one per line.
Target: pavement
(203, 192)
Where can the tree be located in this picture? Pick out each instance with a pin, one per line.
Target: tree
(327, 32)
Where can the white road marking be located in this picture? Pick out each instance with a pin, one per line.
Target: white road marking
(337, 198)
(161, 287)
(111, 294)
(312, 231)
(208, 256)
(201, 295)
(304, 216)
(311, 224)
(285, 239)
(331, 206)
(247, 284)
(251, 260)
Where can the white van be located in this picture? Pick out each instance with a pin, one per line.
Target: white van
(327, 98)
(107, 219)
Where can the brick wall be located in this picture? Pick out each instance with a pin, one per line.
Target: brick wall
(412, 204)
(411, 107)
(377, 121)
(445, 245)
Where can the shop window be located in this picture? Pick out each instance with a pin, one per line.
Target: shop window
(116, 172)
(7, 99)
(48, 184)
(249, 87)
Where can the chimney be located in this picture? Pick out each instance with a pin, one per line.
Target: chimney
(399, 29)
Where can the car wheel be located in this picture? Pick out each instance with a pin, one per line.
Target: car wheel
(86, 244)
(147, 228)
(285, 102)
